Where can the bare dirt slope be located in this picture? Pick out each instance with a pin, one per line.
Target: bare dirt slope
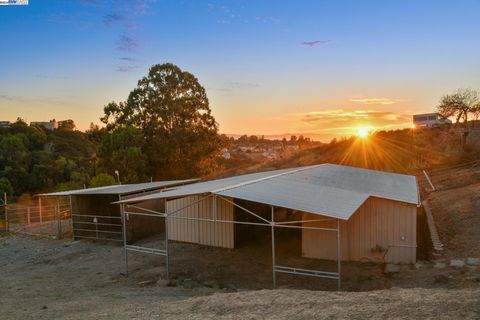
(456, 210)
(54, 279)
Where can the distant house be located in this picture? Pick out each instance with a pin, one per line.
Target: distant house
(247, 149)
(49, 125)
(270, 154)
(226, 154)
(5, 124)
(429, 120)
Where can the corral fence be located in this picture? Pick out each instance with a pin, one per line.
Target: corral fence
(47, 220)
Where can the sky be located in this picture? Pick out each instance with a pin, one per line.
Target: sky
(317, 68)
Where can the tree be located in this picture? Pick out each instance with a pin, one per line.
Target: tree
(459, 105)
(171, 109)
(122, 151)
(5, 186)
(101, 180)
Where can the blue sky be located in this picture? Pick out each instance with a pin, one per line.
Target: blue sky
(269, 67)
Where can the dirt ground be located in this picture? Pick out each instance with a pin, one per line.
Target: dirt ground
(45, 278)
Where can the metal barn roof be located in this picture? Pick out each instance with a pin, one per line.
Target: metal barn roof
(326, 189)
(121, 189)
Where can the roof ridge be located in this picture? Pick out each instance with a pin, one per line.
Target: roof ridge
(238, 185)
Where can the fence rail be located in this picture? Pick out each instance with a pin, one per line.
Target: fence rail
(38, 220)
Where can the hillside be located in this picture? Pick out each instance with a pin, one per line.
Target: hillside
(401, 151)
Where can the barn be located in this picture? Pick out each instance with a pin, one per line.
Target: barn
(95, 217)
(338, 212)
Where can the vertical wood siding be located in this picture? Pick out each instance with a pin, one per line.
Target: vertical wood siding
(374, 231)
(209, 233)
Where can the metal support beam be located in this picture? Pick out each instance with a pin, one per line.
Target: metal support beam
(124, 223)
(273, 248)
(339, 258)
(167, 256)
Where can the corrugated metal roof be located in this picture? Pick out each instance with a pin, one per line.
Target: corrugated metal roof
(121, 189)
(327, 189)
(207, 186)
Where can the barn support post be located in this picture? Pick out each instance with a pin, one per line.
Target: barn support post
(339, 258)
(167, 262)
(124, 224)
(273, 248)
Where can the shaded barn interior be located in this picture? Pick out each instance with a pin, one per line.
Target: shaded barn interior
(95, 217)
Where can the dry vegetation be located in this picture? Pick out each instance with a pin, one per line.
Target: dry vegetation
(402, 151)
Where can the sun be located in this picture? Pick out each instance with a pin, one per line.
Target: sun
(362, 132)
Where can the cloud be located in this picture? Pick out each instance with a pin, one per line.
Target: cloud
(48, 76)
(340, 115)
(343, 121)
(127, 43)
(114, 18)
(129, 59)
(316, 43)
(126, 68)
(10, 98)
(376, 101)
(229, 87)
(241, 85)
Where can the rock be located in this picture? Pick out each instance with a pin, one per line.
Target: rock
(391, 268)
(440, 278)
(173, 283)
(189, 284)
(211, 284)
(163, 283)
(439, 265)
(418, 265)
(457, 264)
(473, 261)
(145, 283)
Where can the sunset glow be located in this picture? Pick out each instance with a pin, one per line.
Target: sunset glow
(363, 132)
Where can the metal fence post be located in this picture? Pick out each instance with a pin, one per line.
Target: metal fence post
(273, 251)
(59, 221)
(6, 211)
(124, 223)
(167, 262)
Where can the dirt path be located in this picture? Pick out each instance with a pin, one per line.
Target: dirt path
(51, 279)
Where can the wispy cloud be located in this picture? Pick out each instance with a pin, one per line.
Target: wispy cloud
(316, 43)
(11, 98)
(128, 59)
(229, 87)
(340, 115)
(114, 18)
(127, 44)
(376, 101)
(49, 76)
(241, 85)
(126, 68)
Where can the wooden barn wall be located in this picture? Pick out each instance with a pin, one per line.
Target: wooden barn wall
(375, 231)
(201, 232)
